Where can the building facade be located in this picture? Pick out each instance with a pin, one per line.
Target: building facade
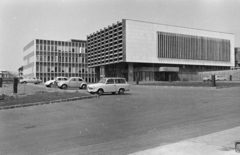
(47, 59)
(152, 51)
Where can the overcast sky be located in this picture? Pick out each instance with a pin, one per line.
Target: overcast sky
(21, 21)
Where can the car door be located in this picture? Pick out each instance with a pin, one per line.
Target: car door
(110, 86)
(119, 84)
(73, 82)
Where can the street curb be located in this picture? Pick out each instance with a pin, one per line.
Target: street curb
(47, 102)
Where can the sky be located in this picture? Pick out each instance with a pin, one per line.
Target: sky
(22, 21)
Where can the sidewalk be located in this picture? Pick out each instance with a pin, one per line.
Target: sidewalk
(219, 143)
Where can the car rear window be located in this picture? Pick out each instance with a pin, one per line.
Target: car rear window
(118, 81)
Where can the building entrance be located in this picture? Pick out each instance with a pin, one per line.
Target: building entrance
(165, 76)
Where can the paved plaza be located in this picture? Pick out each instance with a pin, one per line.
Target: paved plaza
(145, 118)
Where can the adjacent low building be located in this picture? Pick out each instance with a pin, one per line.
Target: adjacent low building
(47, 59)
(152, 51)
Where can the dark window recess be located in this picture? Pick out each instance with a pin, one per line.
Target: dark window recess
(172, 45)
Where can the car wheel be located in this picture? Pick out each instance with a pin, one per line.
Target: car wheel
(121, 91)
(24, 82)
(64, 86)
(100, 92)
(204, 81)
(113, 93)
(84, 86)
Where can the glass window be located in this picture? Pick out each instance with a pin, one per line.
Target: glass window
(80, 79)
(102, 81)
(37, 57)
(117, 81)
(41, 58)
(110, 81)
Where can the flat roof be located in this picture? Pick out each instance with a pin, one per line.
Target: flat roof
(177, 26)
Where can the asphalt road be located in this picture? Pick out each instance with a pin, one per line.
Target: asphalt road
(145, 117)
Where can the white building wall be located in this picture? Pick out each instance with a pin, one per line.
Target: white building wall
(141, 43)
(26, 62)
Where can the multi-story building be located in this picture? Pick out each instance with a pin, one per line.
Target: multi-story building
(46, 59)
(152, 51)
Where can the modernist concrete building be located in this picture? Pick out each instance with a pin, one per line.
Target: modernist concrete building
(47, 59)
(154, 51)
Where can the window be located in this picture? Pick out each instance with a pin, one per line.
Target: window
(118, 81)
(80, 79)
(110, 81)
(38, 58)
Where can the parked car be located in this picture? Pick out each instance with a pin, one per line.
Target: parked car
(73, 82)
(30, 80)
(207, 78)
(53, 82)
(109, 85)
(220, 78)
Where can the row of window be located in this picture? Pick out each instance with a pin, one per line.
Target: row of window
(60, 59)
(61, 48)
(61, 43)
(47, 69)
(171, 45)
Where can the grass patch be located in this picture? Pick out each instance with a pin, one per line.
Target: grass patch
(39, 96)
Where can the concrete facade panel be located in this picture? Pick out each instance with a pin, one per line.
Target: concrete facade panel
(141, 43)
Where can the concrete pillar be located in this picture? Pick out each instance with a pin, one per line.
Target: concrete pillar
(102, 71)
(130, 72)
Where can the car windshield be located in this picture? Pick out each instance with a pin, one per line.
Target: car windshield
(102, 81)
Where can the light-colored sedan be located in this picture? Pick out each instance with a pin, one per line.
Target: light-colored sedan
(73, 82)
(52, 83)
(30, 80)
(109, 85)
(207, 78)
(220, 78)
